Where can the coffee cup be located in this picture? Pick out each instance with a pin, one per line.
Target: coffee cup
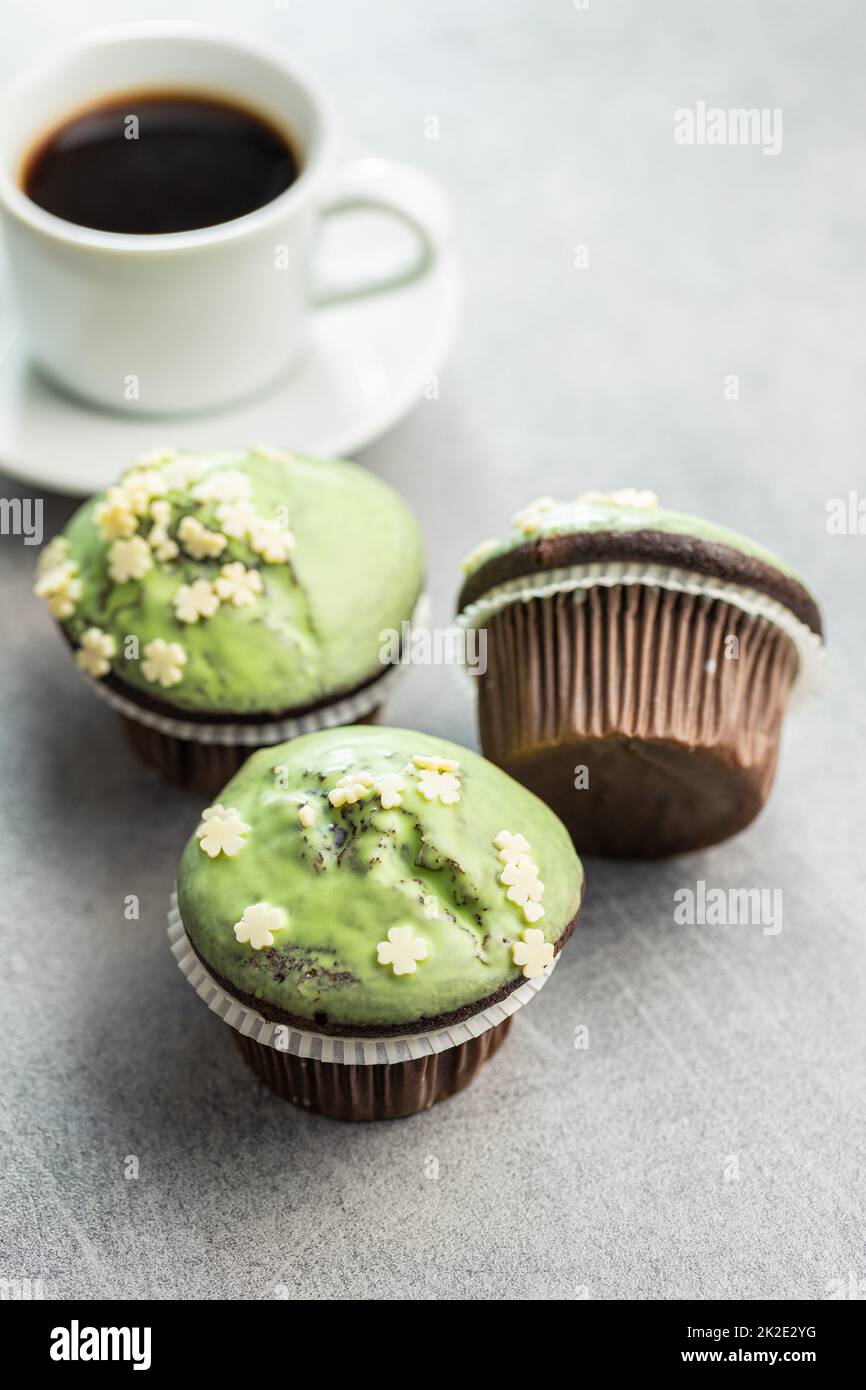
(193, 320)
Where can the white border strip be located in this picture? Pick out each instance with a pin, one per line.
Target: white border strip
(812, 673)
(351, 1051)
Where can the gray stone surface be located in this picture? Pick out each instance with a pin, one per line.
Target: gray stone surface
(712, 1051)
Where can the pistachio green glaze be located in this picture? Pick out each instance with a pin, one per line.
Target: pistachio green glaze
(360, 870)
(577, 516)
(314, 632)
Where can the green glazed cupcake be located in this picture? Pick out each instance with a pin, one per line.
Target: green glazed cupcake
(639, 665)
(363, 884)
(226, 601)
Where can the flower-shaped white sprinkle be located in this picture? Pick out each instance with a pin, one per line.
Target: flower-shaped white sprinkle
(237, 585)
(163, 662)
(533, 952)
(221, 831)
(53, 555)
(93, 656)
(141, 485)
(154, 458)
(432, 762)
(402, 950)
(114, 517)
(60, 589)
(227, 485)
(160, 542)
(272, 541)
(260, 924)
(388, 789)
(353, 787)
(236, 518)
(267, 451)
(621, 497)
(306, 815)
(195, 600)
(198, 541)
(181, 470)
(164, 548)
(480, 553)
(524, 887)
(511, 847)
(529, 518)
(443, 786)
(130, 559)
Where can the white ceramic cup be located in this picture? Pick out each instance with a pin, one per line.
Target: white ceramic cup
(189, 321)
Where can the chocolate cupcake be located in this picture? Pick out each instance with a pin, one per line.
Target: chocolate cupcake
(639, 664)
(223, 602)
(367, 908)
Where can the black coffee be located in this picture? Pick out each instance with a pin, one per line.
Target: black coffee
(159, 163)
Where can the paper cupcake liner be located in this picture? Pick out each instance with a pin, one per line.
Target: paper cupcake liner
(355, 1078)
(371, 1093)
(206, 767)
(623, 709)
(324, 1046)
(811, 675)
(203, 755)
(347, 709)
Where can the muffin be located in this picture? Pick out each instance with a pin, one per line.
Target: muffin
(639, 664)
(368, 907)
(227, 601)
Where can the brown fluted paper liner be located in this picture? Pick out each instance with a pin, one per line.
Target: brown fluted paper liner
(632, 683)
(356, 1078)
(389, 1092)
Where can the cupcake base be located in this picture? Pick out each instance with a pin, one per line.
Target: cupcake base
(344, 1091)
(648, 719)
(652, 799)
(201, 752)
(356, 1078)
(199, 767)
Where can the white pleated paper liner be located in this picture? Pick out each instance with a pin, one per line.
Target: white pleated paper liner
(811, 675)
(347, 710)
(324, 1048)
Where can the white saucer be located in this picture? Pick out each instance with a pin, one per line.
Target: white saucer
(371, 359)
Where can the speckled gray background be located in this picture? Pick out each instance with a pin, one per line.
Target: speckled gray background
(598, 1173)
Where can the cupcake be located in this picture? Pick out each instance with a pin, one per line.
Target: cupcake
(639, 664)
(223, 602)
(367, 908)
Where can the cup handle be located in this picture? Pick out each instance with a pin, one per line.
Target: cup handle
(401, 191)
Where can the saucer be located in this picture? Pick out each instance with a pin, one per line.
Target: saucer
(370, 360)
